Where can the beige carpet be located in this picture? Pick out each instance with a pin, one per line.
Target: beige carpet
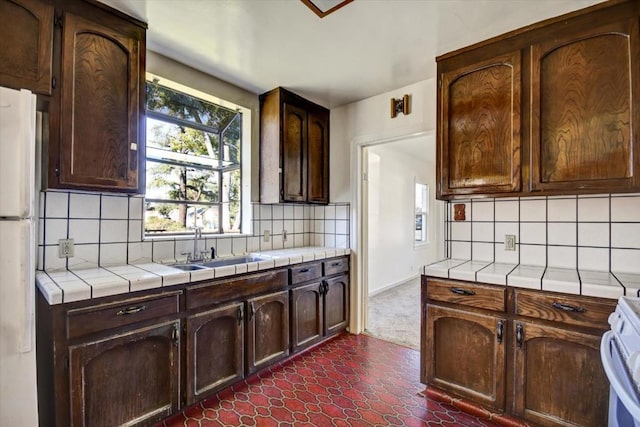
(394, 315)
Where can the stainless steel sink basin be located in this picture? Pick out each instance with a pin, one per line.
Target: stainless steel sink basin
(188, 267)
(231, 261)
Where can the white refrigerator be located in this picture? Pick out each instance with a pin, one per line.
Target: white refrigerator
(18, 394)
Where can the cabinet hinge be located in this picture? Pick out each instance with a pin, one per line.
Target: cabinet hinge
(175, 334)
(57, 21)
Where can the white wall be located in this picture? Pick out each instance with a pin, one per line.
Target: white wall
(369, 121)
(393, 256)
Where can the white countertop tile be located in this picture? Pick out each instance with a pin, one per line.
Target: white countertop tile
(600, 284)
(631, 282)
(61, 286)
(526, 276)
(48, 288)
(467, 271)
(495, 273)
(561, 280)
(441, 268)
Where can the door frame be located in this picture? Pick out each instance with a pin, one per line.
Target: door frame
(359, 227)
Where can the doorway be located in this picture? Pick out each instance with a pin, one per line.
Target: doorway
(402, 232)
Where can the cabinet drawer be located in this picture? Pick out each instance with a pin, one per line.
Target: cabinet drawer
(335, 266)
(573, 309)
(471, 294)
(305, 273)
(216, 292)
(113, 315)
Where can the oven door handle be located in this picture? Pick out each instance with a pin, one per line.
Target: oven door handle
(624, 393)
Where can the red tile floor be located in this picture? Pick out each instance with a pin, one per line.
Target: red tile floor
(352, 380)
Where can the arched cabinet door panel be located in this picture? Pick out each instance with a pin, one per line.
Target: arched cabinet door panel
(584, 121)
(479, 143)
(27, 53)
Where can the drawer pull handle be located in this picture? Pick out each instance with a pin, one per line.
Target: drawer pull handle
(131, 310)
(304, 270)
(568, 307)
(519, 335)
(336, 264)
(500, 331)
(461, 291)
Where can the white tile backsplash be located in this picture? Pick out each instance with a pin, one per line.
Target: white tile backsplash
(593, 209)
(84, 205)
(508, 210)
(84, 230)
(625, 235)
(113, 231)
(482, 231)
(593, 259)
(533, 233)
(482, 211)
(593, 234)
(533, 210)
(561, 209)
(561, 233)
(561, 257)
(114, 207)
(625, 209)
(56, 205)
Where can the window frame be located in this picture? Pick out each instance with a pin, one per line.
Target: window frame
(423, 212)
(244, 165)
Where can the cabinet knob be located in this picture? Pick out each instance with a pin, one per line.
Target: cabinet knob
(519, 335)
(500, 331)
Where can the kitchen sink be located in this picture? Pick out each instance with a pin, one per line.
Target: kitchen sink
(188, 267)
(231, 261)
(201, 265)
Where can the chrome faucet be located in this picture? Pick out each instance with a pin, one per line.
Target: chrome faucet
(197, 234)
(196, 255)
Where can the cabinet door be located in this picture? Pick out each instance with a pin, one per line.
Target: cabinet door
(129, 379)
(99, 107)
(294, 154)
(307, 315)
(559, 379)
(26, 45)
(215, 350)
(267, 330)
(466, 354)
(336, 304)
(318, 157)
(479, 148)
(584, 126)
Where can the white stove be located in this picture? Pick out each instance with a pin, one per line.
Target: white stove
(620, 353)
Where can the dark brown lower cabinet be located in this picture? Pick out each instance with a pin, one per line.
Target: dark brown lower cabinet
(531, 354)
(467, 354)
(318, 310)
(215, 350)
(267, 330)
(130, 378)
(559, 377)
(307, 307)
(336, 304)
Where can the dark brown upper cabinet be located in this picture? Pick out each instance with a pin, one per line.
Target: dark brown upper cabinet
(480, 132)
(294, 149)
(545, 109)
(96, 139)
(26, 42)
(583, 123)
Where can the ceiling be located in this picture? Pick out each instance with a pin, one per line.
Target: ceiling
(363, 49)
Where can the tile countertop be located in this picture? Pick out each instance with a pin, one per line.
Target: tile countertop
(603, 284)
(63, 286)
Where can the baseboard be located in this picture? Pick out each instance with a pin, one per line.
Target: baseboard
(393, 285)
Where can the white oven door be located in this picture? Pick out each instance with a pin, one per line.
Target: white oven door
(624, 406)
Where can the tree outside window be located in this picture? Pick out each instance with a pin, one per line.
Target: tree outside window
(193, 156)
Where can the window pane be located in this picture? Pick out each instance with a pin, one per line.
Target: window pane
(185, 145)
(176, 104)
(231, 187)
(231, 222)
(231, 140)
(181, 183)
(162, 218)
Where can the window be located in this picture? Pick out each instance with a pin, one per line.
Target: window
(422, 213)
(194, 153)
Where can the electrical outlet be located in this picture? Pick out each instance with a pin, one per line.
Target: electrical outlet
(65, 248)
(266, 235)
(284, 235)
(509, 242)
